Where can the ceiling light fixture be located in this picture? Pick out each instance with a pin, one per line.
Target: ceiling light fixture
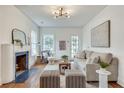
(61, 13)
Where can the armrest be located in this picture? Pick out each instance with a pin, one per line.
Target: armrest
(92, 67)
(91, 74)
(114, 61)
(113, 68)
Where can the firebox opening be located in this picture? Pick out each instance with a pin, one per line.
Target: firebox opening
(21, 64)
(21, 67)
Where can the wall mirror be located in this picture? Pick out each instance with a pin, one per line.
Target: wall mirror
(18, 37)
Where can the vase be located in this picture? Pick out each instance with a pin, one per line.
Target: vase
(102, 69)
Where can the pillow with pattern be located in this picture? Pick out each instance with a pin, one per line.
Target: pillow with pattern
(81, 55)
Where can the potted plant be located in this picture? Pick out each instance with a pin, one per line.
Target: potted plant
(103, 65)
(65, 58)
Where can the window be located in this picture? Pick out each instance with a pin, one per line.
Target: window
(33, 43)
(74, 45)
(48, 43)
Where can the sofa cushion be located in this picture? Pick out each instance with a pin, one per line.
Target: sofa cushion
(93, 60)
(107, 58)
(80, 60)
(82, 65)
(88, 53)
(81, 55)
(104, 57)
(88, 61)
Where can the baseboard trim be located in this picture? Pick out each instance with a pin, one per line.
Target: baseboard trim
(121, 83)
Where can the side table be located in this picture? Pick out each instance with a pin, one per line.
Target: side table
(64, 66)
(103, 78)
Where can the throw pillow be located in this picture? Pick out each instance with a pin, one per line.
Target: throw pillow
(81, 55)
(106, 57)
(92, 60)
(88, 53)
(95, 60)
(88, 61)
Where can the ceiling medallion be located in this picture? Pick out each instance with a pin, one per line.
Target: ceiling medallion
(61, 13)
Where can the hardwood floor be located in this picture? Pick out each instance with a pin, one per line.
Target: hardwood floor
(34, 76)
(33, 80)
(115, 85)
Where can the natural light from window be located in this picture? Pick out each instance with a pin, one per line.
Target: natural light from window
(33, 43)
(74, 45)
(48, 43)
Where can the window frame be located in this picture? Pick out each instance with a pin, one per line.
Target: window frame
(53, 50)
(33, 42)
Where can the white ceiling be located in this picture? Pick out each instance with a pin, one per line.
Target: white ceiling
(43, 17)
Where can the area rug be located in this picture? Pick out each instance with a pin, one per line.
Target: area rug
(88, 85)
(62, 77)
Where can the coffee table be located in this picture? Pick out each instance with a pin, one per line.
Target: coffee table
(63, 66)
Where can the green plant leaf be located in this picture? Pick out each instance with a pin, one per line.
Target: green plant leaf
(104, 64)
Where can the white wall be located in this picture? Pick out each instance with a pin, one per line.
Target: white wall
(116, 15)
(63, 34)
(11, 17)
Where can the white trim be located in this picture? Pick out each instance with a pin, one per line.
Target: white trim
(121, 82)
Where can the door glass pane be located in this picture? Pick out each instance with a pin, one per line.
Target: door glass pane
(74, 45)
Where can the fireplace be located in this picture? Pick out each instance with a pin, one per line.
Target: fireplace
(21, 66)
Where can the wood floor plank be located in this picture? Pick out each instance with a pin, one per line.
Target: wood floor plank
(33, 73)
(115, 85)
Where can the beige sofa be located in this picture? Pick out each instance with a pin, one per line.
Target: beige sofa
(89, 69)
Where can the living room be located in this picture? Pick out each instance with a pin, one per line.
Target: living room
(69, 36)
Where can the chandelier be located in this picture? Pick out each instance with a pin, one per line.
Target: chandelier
(61, 13)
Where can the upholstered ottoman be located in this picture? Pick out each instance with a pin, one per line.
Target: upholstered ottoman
(75, 79)
(50, 79)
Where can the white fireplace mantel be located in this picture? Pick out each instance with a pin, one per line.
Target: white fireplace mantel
(21, 49)
(8, 61)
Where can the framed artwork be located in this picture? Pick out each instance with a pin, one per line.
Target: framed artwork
(100, 35)
(62, 45)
